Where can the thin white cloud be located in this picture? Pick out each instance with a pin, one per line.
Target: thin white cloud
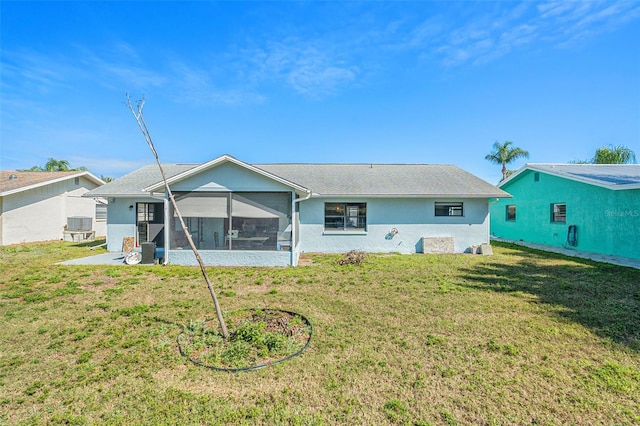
(316, 67)
(137, 77)
(569, 22)
(33, 72)
(426, 32)
(316, 80)
(197, 86)
(311, 68)
(484, 34)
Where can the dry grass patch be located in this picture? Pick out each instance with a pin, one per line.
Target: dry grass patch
(522, 337)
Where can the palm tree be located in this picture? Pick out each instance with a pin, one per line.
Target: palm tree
(53, 165)
(614, 155)
(504, 154)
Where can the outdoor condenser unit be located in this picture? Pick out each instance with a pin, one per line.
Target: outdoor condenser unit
(79, 223)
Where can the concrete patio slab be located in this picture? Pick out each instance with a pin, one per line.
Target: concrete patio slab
(98, 259)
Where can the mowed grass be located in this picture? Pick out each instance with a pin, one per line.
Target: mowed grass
(521, 337)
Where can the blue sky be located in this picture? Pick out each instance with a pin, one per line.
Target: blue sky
(267, 82)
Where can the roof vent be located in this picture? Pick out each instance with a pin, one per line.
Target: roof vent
(13, 177)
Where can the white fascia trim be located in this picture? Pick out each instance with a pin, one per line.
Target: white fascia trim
(430, 196)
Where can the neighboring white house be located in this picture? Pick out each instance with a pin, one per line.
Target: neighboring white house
(268, 214)
(40, 206)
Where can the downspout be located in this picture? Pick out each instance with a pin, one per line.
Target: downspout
(293, 227)
(490, 201)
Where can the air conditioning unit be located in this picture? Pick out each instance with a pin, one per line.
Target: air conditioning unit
(79, 223)
(438, 245)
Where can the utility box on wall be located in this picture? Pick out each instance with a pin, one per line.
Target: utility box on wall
(438, 245)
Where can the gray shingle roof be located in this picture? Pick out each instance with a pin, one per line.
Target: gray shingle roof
(132, 184)
(381, 180)
(385, 179)
(613, 176)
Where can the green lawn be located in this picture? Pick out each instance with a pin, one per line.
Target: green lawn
(521, 337)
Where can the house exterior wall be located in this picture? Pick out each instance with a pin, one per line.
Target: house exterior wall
(231, 258)
(414, 218)
(40, 214)
(607, 221)
(121, 220)
(229, 177)
(223, 178)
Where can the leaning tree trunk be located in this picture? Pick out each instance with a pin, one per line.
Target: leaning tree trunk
(145, 131)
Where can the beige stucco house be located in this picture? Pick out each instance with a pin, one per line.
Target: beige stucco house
(43, 206)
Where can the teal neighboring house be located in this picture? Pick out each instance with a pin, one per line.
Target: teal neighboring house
(588, 207)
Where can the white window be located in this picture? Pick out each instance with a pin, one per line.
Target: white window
(101, 212)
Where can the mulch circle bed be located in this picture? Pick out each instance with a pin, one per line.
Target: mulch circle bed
(257, 338)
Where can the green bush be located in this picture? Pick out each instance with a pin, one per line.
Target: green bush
(237, 353)
(274, 342)
(249, 331)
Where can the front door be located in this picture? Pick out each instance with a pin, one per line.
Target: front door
(150, 223)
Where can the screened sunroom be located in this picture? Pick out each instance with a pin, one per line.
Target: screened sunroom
(233, 220)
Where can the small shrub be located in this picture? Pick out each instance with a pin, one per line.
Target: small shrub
(354, 257)
(274, 342)
(250, 331)
(237, 353)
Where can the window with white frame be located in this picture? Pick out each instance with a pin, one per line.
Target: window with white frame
(511, 213)
(559, 212)
(449, 208)
(101, 212)
(345, 216)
